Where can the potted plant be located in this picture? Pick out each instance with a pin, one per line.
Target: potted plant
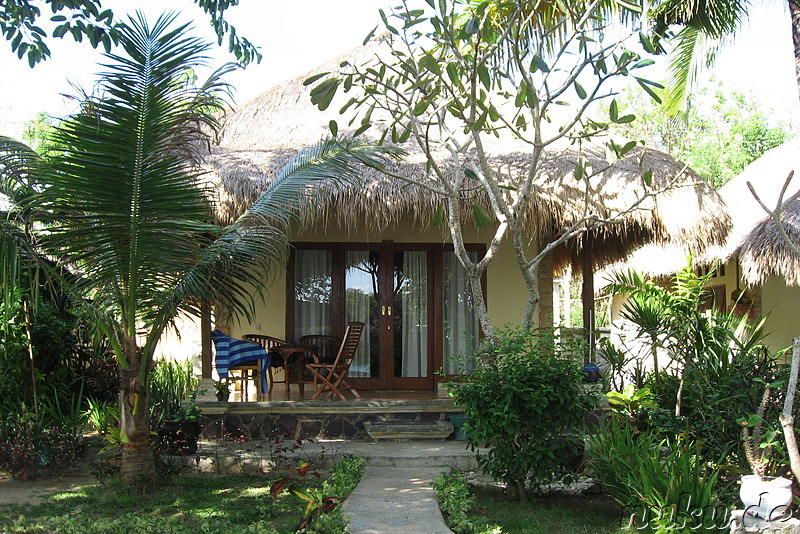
(179, 433)
(222, 390)
(763, 496)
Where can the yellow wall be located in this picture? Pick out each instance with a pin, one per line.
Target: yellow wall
(505, 288)
(783, 324)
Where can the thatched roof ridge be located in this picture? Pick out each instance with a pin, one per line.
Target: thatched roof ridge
(265, 133)
(753, 236)
(763, 252)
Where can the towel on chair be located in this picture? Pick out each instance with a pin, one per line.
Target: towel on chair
(232, 352)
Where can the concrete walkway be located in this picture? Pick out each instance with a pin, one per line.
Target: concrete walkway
(391, 500)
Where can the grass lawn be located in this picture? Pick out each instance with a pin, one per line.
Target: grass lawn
(552, 515)
(187, 504)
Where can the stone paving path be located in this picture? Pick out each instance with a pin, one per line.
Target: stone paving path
(400, 500)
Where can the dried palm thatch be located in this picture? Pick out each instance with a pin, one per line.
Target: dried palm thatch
(263, 134)
(764, 252)
(753, 237)
(756, 240)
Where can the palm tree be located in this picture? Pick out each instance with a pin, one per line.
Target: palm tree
(123, 202)
(703, 27)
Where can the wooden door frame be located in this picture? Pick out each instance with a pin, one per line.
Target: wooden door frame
(435, 251)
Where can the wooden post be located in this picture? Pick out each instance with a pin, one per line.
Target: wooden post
(587, 295)
(205, 339)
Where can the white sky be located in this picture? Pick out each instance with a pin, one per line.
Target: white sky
(297, 35)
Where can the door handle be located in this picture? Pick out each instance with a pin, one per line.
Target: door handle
(389, 308)
(383, 310)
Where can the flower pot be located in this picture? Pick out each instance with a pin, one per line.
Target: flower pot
(767, 498)
(178, 437)
(459, 433)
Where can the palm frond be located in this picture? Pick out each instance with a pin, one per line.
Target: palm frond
(235, 268)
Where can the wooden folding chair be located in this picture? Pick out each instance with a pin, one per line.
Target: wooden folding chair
(324, 347)
(331, 376)
(267, 342)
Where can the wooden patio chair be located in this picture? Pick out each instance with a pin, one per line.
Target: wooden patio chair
(325, 348)
(330, 377)
(276, 360)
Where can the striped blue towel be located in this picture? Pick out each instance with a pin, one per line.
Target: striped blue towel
(232, 352)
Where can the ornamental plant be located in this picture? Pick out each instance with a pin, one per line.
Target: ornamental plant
(522, 402)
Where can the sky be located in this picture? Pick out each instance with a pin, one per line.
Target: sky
(297, 35)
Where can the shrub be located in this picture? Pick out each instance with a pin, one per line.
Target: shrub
(524, 393)
(32, 443)
(665, 485)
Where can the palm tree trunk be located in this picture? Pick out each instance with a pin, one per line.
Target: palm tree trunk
(138, 464)
(794, 12)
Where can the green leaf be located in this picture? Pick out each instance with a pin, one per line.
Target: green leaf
(480, 216)
(522, 92)
(483, 75)
(420, 107)
(438, 217)
(472, 26)
(369, 36)
(334, 128)
(539, 64)
(580, 90)
(323, 94)
(314, 78)
(613, 111)
(646, 85)
(647, 178)
(647, 43)
(469, 173)
(430, 63)
(625, 119)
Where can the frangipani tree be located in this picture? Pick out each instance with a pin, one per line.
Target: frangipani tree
(124, 203)
(461, 74)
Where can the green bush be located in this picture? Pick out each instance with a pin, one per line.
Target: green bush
(525, 393)
(665, 485)
(170, 383)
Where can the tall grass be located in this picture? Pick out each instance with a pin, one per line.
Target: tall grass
(665, 485)
(171, 383)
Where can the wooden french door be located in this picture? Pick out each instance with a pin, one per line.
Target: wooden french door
(387, 287)
(414, 299)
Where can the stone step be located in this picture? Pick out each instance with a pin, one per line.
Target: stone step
(257, 457)
(408, 430)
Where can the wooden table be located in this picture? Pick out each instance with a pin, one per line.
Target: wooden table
(294, 364)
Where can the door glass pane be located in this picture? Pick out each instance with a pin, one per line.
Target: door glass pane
(312, 292)
(460, 323)
(410, 314)
(361, 304)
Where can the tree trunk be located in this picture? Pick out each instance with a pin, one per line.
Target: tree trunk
(787, 416)
(794, 12)
(138, 463)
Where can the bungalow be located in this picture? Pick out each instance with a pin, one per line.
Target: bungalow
(371, 253)
(757, 274)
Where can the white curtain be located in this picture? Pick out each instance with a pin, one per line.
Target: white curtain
(360, 284)
(461, 327)
(413, 294)
(312, 292)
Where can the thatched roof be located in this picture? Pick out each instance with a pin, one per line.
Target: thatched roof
(761, 250)
(754, 236)
(765, 253)
(263, 134)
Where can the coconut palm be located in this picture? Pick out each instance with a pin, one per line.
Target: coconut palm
(124, 203)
